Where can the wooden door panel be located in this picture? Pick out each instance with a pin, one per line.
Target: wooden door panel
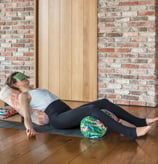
(43, 44)
(65, 50)
(54, 46)
(90, 50)
(67, 59)
(77, 50)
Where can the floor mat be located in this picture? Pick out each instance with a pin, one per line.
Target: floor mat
(45, 129)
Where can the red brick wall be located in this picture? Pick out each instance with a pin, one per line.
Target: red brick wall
(16, 37)
(127, 53)
(156, 53)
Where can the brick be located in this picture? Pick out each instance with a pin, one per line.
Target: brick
(23, 58)
(123, 50)
(18, 45)
(5, 45)
(18, 63)
(2, 58)
(28, 54)
(148, 77)
(145, 18)
(139, 50)
(19, 9)
(122, 71)
(2, 23)
(23, 49)
(146, 13)
(10, 23)
(146, 66)
(19, 27)
(140, 24)
(146, 2)
(113, 96)
(138, 103)
(143, 29)
(129, 45)
(10, 5)
(114, 35)
(110, 70)
(128, 3)
(122, 102)
(107, 50)
(6, 53)
(18, 53)
(18, 0)
(29, 36)
(11, 49)
(129, 13)
(114, 55)
(29, 8)
(127, 97)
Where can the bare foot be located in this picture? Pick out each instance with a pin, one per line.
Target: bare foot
(141, 131)
(151, 120)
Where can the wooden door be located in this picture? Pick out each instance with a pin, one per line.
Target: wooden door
(67, 48)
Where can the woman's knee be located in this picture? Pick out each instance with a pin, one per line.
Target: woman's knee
(102, 102)
(94, 110)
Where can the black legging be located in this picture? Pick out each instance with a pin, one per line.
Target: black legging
(62, 116)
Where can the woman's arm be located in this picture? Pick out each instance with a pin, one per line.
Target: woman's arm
(24, 103)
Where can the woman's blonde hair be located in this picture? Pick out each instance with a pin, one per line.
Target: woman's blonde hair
(11, 81)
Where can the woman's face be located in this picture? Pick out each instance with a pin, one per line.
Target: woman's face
(22, 83)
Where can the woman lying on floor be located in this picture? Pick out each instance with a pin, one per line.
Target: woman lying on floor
(62, 116)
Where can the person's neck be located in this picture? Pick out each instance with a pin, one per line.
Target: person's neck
(25, 89)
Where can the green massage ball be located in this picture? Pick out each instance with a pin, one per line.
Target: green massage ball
(93, 128)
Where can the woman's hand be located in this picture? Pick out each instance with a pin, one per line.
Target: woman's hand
(30, 133)
(24, 104)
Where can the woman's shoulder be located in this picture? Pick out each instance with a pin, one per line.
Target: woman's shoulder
(37, 89)
(24, 96)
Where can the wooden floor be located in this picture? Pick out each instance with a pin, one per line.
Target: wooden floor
(15, 148)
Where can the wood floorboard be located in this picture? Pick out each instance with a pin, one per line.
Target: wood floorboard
(50, 145)
(96, 152)
(8, 142)
(15, 148)
(68, 151)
